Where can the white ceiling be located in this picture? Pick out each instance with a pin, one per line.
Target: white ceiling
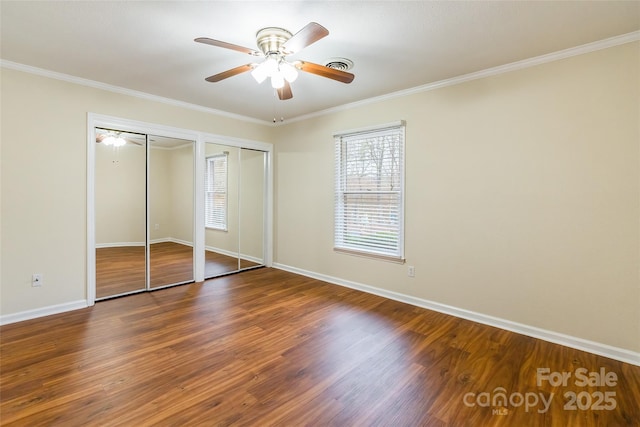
(148, 46)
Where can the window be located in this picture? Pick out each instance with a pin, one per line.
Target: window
(369, 198)
(215, 187)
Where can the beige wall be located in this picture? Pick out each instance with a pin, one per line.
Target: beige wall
(44, 151)
(523, 192)
(160, 195)
(522, 196)
(120, 186)
(171, 193)
(182, 190)
(251, 204)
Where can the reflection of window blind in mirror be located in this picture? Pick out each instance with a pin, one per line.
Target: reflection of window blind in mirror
(216, 192)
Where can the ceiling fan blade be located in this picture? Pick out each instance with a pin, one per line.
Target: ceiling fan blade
(285, 91)
(229, 73)
(321, 70)
(311, 33)
(226, 45)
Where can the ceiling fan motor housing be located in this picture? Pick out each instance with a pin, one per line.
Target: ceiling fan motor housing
(270, 39)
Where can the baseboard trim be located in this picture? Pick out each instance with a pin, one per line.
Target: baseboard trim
(118, 244)
(151, 242)
(620, 354)
(41, 312)
(171, 240)
(233, 254)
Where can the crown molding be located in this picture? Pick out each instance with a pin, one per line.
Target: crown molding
(124, 91)
(494, 71)
(514, 66)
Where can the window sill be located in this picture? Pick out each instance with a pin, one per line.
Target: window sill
(217, 229)
(363, 254)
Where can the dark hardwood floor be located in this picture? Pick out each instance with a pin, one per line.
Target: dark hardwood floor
(267, 347)
(122, 269)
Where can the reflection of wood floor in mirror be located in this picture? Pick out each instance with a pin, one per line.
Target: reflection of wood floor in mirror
(217, 264)
(170, 263)
(121, 269)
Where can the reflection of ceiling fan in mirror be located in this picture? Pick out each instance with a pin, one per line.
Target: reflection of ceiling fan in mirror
(275, 45)
(118, 139)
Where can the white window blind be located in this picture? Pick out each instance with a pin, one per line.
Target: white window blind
(215, 188)
(369, 199)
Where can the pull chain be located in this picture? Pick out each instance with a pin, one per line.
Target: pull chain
(274, 101)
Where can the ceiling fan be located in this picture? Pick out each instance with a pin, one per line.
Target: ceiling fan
(275, 45)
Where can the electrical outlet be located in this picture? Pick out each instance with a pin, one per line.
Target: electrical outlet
(156, 227)
(36, 280)
(411, 271)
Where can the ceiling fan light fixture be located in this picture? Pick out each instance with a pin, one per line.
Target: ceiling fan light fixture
(271, 65)
(259, 73)
(289, 72)
(265, 69)
(277, 80)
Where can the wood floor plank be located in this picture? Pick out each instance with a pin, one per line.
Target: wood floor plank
(267, 347)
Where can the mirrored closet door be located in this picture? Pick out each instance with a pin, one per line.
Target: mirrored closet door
(221, 210)
(251, 215)
(144, 198)
(120, 212)
(170, 207)
(147, 234)
(234, 209)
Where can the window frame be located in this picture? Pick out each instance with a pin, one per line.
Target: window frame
(209, 174)
(345, 137)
